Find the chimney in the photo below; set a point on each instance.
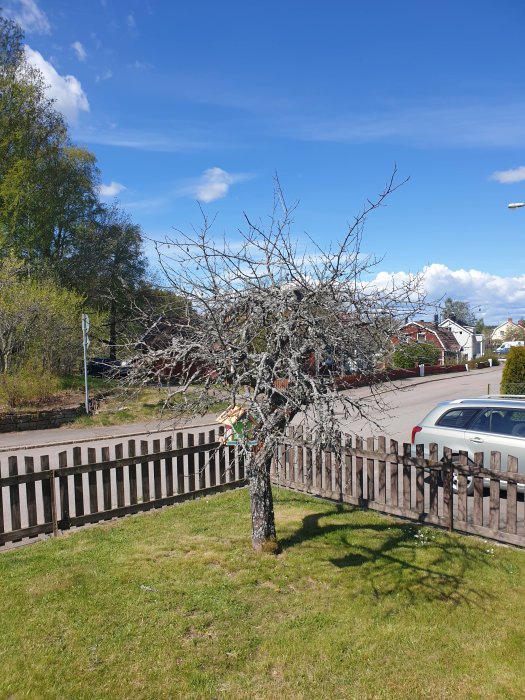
(510, 319)
(436, 321)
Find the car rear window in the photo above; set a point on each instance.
(457, 417)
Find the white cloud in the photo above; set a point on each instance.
(213, 184)
(29, 16)
(492, 297)
(79, 50)
(507, 177)
(65, 90)
(111, 190)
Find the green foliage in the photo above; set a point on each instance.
(484, 358)
(513, 376)
(515, 334)
(39, 321)
(51, 216)
(408, 355)
(459, 311)
(26, 386)
(109, 267)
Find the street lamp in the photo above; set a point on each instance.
(516, 205)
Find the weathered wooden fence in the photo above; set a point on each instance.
(367, 474)
(96, 485)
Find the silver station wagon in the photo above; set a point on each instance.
(485, 424)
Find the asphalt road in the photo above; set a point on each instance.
(404, 405)
(396, 408)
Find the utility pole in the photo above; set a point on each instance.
(85, 343)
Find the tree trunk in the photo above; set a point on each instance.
(263, 521)
(113, 331)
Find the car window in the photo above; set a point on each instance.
(481, 423)
(517, 423)
(457, 417)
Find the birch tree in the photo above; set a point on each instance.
(273, 323)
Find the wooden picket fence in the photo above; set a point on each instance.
(366, 474)
(89, 485)
(96, 485)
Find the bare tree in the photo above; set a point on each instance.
(270, 327)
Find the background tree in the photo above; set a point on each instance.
(39, 322)
(47, 185)
(513, 375)
(517, 333)
(408, 355)
(459, 311)
(109, 267)
(267, 314)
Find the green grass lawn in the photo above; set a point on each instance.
(174, 604)
(129, 405)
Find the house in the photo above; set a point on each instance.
(471, 344)
(500, 332)
(428, 332)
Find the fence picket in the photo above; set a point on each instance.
(190, 468)
(132, 472)
(201, 460)
(63, 486)
(78, 487)
(14, 495)
(433, 479)
(169, 466)
(212, 456)
(144, 471)
(181, 481)
(462, 489)
(394, 473)
(407, 475)
(157, 477)
(512, 492)
(92, 482)
(494, 502)
(106, 480)
(448, 494)
(477, 511)
(359, 470)
(370, 464)
(47, 506)
(30, 493)
(381, 468)
(328, 473)
(119, 475)
(348, 481)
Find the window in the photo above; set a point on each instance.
(500, 422)
(457, 418)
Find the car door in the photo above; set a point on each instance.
(492, 431)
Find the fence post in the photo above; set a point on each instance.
(448, 496)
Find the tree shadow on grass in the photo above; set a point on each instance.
(394, 558)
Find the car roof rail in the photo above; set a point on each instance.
(504, 396)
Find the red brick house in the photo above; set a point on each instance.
(427, 332)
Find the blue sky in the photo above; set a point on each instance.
(205, 101)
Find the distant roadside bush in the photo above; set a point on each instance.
(513, 376)
(484, 358)
(407, 355)
(26, 386)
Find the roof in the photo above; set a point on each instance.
(445, 337)
(460, 326)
